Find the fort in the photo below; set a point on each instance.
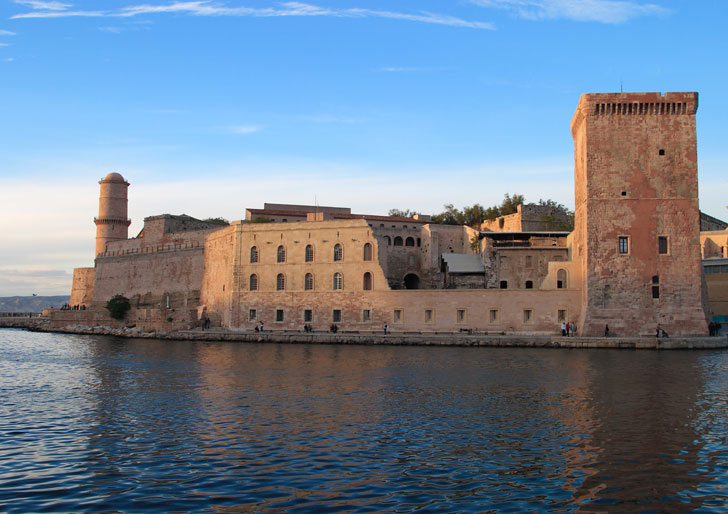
(635, 260)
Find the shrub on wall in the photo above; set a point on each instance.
(118, 306)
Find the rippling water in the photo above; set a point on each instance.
(98, 424)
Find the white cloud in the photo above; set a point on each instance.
(245, 129)
(48, 5)
(4, 44)
(604, 11)
(8, 59)
(6, 33)
(205, 8)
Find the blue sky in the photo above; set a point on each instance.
(208, 107)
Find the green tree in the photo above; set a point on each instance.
(118, 306)
(561, 219)
(221, 221)
(402, 213)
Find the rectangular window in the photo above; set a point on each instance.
(527, 315)
(561, 315)
(623, 244)
(279, 315)
(337, 315)
(494, 315)
(460, 315)
(397, 316)
(655, 291)
(308, 316)
(662, 245)
(366, 315)
(252, 315)
(428, 316)
(529, 261)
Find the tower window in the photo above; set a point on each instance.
(662, 151)
(662, 245)
(623, 244)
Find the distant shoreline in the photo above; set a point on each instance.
(396, 339)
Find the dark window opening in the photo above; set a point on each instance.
(529, 284)
(662, 244)
(337, 316)
(662, 151)
(279, 315)
(504, 284)
(624, 193)
(623, 244)
(655, 291)
(308, 315)
(656, 279)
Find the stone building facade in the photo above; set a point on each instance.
(633, 260)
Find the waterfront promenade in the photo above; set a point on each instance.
(512, 340)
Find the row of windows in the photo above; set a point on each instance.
(723, 268)
(309, 253)
(308, 282)
(663, 245)
(461, 315)
(560, 281)
(398, 241)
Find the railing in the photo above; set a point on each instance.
(170, 247)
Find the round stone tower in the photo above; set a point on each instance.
(112, 223)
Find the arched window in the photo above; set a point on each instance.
(388, 240)
(368, 252)
(529, 284)
(254, 254)
(309, 253)
(308, 282)
(281, 253)
(561, 279)
(410, 241)
(397, 241)
(253, 282)
(367, 286)
(338, 252)
(280, 282)
(338, 281)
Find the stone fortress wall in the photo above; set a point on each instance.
(635, 187)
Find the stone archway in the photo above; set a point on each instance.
(411, 281)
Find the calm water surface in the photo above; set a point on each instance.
(99, 424)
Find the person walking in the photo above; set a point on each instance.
(385, 329)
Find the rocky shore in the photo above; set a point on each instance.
(411, 339)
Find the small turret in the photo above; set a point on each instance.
(112, 223)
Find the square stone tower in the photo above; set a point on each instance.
(637, 224)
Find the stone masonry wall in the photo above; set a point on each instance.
(636, 178)
(82, 291)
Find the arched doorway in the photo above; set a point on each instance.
(411, 281)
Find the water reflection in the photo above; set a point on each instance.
(129, 426)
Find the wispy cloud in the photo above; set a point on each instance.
(39, 4)
(8, 59)
(207, 8)
(4, 44)
(245, 129)
(603, 11)
(6, 33)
